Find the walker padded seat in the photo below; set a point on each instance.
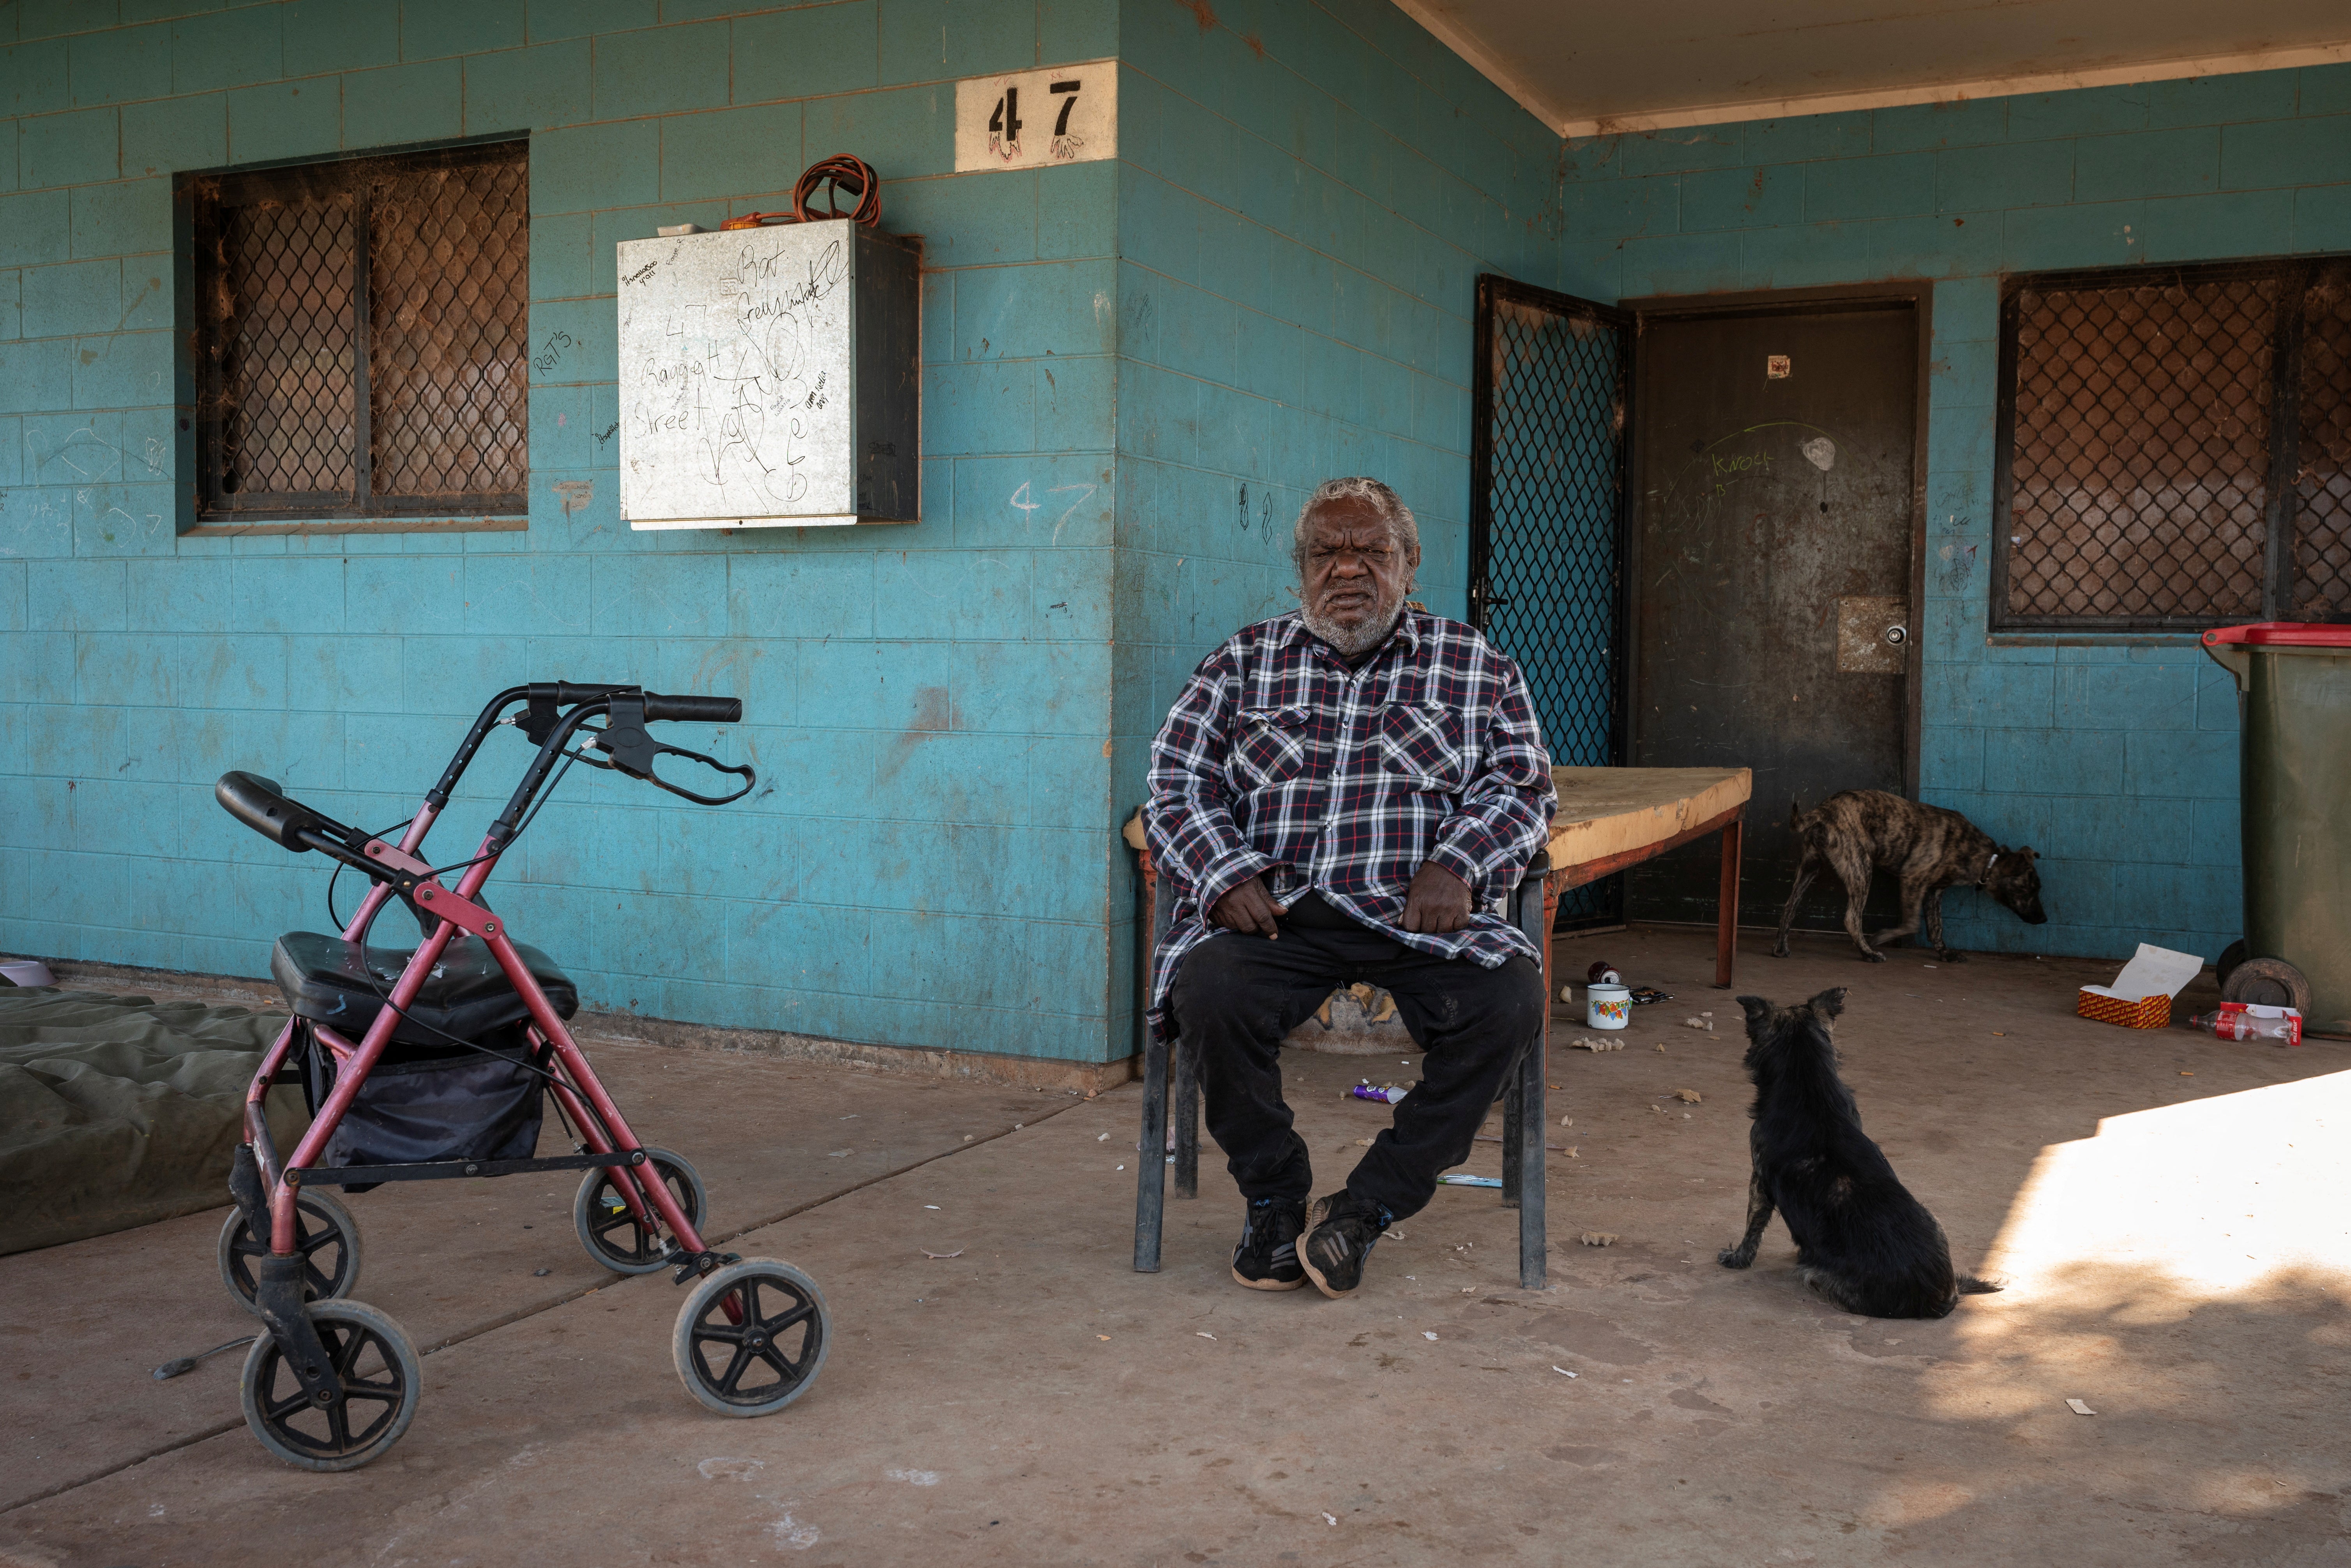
(468, 994)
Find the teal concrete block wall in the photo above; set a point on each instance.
(929, 861)
(1306, 194)
(2114, 756)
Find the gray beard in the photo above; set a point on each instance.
(1359, 639)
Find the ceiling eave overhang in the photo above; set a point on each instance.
(1563, 119)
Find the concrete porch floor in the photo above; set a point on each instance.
(2166, 1207)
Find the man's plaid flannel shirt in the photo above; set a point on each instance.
(1279, 759)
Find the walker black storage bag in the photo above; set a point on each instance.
(445, 1105)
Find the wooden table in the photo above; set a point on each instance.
(1613, 818)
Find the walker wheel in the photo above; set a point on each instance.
(2267, 982)
(377, 1364)
(617, 1238)
(326, 1235)
(752, 1337)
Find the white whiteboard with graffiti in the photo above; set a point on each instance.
(738, 377)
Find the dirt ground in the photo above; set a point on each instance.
(2166, 1208)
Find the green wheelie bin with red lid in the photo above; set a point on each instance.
(2294, 701)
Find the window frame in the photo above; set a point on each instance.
(2295, 275)
(206, 197)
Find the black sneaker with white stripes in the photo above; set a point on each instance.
(1342, 1230)
(1267, 1259)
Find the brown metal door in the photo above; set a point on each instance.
(1778, 497)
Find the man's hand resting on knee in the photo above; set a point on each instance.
(1249, 907)
(1437, 902)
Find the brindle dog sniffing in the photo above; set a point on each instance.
(1863, 1242)
(1858, 832)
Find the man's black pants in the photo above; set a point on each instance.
(1235, 995)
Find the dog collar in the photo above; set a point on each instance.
(1983, 874)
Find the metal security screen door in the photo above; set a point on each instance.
(1552, 384)
(2173, 448)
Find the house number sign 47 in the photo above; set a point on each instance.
(1033, 120)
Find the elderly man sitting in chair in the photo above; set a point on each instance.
(1347, 792)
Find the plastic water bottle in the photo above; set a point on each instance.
(2233, 1023)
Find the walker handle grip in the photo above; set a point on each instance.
(692, 709)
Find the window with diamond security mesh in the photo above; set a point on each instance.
(361, 337)
(2322, 565)
(2173, 448)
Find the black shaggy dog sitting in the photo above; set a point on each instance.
(1862, 1240)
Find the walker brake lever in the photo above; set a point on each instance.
(633, 751)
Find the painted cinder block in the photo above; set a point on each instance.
(433, 27)
(71, 149)
(123, 369)
(1067, 307)
(2284, 152)
(2322, 217)
(2181, 162)
(2212, 228)
(79, 596)
(76, 449)
(35, 227)
(343, 675)
(324, 35)
(1930, 127)
(455, 676)
(228, 48)
(2191, 763)
(1681, 264)
(115, 65)
(2089, 234)
(2119, 830)
(809, 51)
(932, 40)
(124, 520)
(2021, 760)
(1988, 178)
(528, 90)
(661, 70)
(286, 119)
(420, 102)
(576, 168)
(44, 665)
(300, 750)
(2187, 898)
(2126, 696)
(2223, 99)
(1672, 152)
(904, 133)
(1060, 502)
(802, 948)
(1764, 196)
(1877, 187)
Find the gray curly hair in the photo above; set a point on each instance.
(1402, 528)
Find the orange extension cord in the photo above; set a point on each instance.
(838, 175)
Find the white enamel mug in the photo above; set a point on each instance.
(1607, 1007)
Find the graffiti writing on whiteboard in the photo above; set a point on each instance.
(733, 384)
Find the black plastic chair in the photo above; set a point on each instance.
(1179, 1070)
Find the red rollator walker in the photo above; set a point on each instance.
(437, 1062)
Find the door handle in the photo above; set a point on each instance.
(1897, 635)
